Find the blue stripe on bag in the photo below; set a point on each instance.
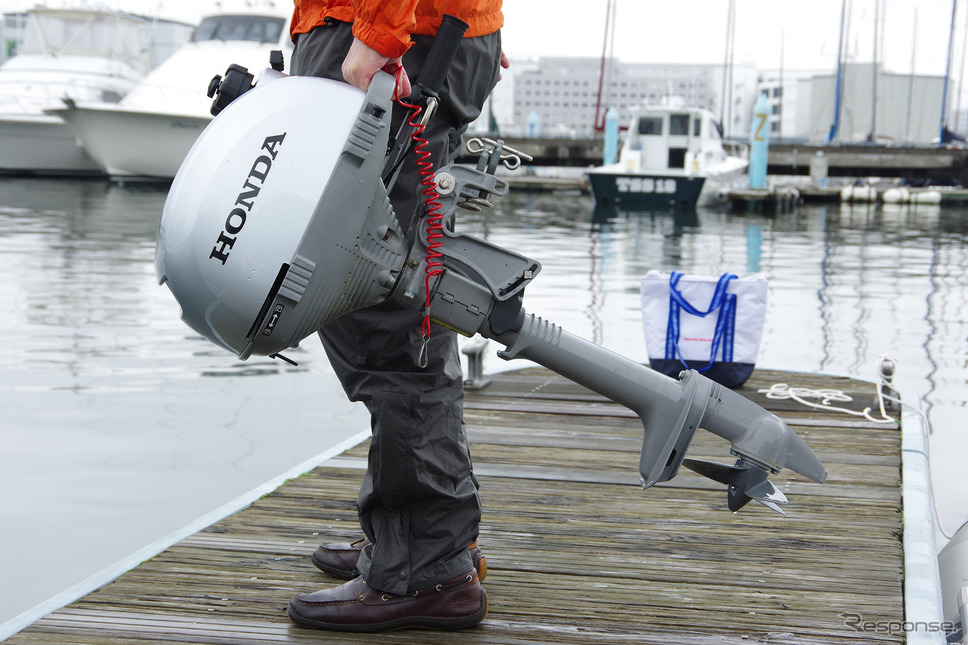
(729, 330)
(725, 323)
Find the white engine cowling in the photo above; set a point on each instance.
(279, 199)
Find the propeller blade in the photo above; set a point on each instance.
(716, 472)
(745, 481)
(771, 505)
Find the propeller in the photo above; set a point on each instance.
(745, 481)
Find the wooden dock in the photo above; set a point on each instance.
(577, 552)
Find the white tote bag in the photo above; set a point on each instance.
(712, 325)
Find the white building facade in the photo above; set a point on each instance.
(564, 93)
(875, 106)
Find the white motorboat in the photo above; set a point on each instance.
(148, 133)
(672, 157)
(66, 54)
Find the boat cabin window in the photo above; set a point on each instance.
(82, 33)
(650, 125)
(679, 124)
(697, 127)
(259, 29)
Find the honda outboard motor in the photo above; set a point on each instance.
(278, 222)
(270, 229)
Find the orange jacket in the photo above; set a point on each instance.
(386, 26)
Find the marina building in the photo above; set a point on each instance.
(781, 88)
(562, 94)
(875, 105)
(558, 97)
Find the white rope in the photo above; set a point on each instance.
(802, 394)
(827, 396)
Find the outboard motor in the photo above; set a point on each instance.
(278, 222)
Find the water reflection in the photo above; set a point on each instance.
(113, 434)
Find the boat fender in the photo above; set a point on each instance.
(927, 197)
(897, 196)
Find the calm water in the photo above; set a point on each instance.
(119, 426)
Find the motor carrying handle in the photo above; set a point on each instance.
(441, 55)
(426, 91)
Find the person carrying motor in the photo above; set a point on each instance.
(418, 564)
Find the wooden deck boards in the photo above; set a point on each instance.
(577, 552)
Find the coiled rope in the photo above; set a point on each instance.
(886, 366)
(826, 397)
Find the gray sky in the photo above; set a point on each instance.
(805, 33)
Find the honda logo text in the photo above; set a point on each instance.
(243, 203)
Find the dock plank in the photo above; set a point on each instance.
(577, 551)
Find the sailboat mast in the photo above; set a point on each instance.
(779, 125)
(910, 96)
(873, 135)
(599, 122)
(961, 77)
(838, 88)
(723, 97)
(947, 75)
(732, 47)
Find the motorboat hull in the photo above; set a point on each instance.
(646, 190)
(43, 145)
(67, 55)
(147, 135)
(116, 138)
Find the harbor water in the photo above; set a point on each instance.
(120, 425)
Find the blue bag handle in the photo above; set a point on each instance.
(725, 323)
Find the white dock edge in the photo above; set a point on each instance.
(923, 609)
(109, 574)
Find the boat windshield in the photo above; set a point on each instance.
(678, 124)
(650, 125)
(84, 33)
(259, 29)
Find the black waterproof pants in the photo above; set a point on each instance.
(418, 503)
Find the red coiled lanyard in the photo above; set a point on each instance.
(433, 221)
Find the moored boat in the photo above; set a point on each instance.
(148, 133)
(672, 157)
(66, 54)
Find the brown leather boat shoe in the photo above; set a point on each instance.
(340, 558)
(354, 606)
